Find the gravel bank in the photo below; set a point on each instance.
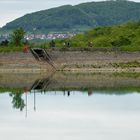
(71, 61)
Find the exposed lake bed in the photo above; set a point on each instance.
(70, 72)
(75, 103)
(94, 61)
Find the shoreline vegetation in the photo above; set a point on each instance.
(103, 49)
(117, 38)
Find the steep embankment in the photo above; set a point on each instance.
(21, 62)
(96, 61)
(72, 61)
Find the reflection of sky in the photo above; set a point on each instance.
(78, 117)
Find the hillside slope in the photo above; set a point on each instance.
(123, 37)
(77, 18)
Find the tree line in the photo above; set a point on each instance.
(16, 38)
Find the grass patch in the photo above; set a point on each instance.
(11, 49)
(127, 64)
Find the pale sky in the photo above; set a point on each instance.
(12, 9)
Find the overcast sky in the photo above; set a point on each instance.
(12, 9)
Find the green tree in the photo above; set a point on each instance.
(17, 37)
(17, 101)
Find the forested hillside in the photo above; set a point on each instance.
(77, 18)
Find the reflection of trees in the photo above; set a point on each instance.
(17, 101)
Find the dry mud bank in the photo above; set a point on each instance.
(18, 62)
(72, 61)
(96, 61)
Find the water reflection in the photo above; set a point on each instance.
(42, 84)
(67, 83)
(19, 103)
(20, 99)
(79, 116)
(69, 107)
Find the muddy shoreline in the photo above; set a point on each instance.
(79, 61)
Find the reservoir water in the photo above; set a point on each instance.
(103, 113)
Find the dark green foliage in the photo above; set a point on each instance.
(121, 41)
(127, 64)
(78, 18)
(4, 43)
(52, 44)
(17, 37)
(123, 37)
(17, 101)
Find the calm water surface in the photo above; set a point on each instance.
(75, 115)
